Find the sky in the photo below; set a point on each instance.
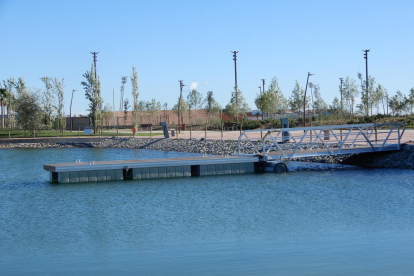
(192, 41)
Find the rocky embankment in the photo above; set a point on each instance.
(403, 159)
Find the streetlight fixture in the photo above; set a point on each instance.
(304, 100)
(70, 111)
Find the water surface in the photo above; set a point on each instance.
(357, 222)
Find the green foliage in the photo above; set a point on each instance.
(92, 87)
(29, 111)
(237, 107)
(194, 99)
(135, 95)
(296, 99)
(212, 107)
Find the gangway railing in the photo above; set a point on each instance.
(286, 143)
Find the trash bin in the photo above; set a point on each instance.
(172, 132)
(326, 134)
(184, 127)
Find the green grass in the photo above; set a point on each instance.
(48, 133)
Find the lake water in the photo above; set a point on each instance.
(348, 222)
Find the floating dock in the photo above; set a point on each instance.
(266, 154)
(152, 168)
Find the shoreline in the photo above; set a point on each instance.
(403, 159)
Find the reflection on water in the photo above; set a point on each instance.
(313, 223)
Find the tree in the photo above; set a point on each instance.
(123, 81)
(278, 102)
(92, 87)
(126, 106)
(378, 97)
(58, 89)
(212, 107)
(135, 95)
(153, 108)
(194, 99)
(349, 93)
(10, 101)
(335, 108)
(29, 111)
(411, 100)
(2, 104)
(180, 110)
(296, 99)
(48, 102)
(319, 105)
(107, 113)
(237, 106)
(369, 102)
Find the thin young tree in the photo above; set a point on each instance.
(48, 101)
(10, 102)
(29, 111)
(92, 87)
(126, 106)
(135, 95)
(194, 99)
(237, 107)
(211, 107)
(2, 104)
(58, 90)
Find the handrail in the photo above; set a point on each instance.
(337, 139)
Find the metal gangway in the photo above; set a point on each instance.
(287, 143)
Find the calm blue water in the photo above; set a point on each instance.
(358, 222)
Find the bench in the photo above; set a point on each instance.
(228, 125)
(147, 126)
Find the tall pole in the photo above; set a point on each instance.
(342, 80)
(263, 80)
(366, 79)
(70, 111)
(235, 83)
(94, 60)
(113, 104)
(179, 104)
(304, 100)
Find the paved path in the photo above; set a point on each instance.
(210, 135)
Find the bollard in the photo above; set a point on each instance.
(190, 131)
(117, 132)
(205, 133)
(79, 132)
(376, 134)
(150, 131)
(9, 134)
(222, 125)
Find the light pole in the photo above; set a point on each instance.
(179, 104)
(263, 80)
(304, 100)
(235, 83)
(70, 111)
(366, 77)
(342, 80)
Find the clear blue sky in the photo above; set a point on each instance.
(191, 41)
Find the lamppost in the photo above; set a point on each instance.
(366, 77)
(235, 83)
(263, 80)
(304, 100)
(179, 105)
(70, 111)
(342, 108)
